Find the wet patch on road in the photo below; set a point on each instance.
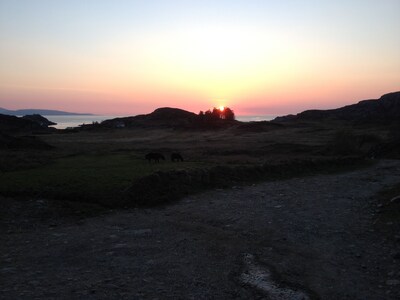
(262, 278)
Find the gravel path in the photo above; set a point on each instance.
(303, 238)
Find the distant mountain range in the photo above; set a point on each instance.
(47, 112)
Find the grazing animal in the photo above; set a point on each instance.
(176, 157)
(154, 156)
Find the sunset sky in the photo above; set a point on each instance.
(257, 57)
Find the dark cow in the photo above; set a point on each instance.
(176, 157)
(154, 156)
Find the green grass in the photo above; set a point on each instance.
(92, 178)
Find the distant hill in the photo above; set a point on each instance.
(47, 112)
(166, 117)
(384, 109)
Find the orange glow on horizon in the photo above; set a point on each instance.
(129, 58)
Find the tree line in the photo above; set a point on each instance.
(217, 114)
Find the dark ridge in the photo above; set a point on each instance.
(165, 117)
(384, 109)
(171, 113)
(28, 124)
(14, 124)
(42, 121)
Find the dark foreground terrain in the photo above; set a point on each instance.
(305, 207)
(322, 237)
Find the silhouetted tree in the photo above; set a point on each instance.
(208, 116)
(228, 114)
(217, 114)
(201, 115)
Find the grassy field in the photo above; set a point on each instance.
(98, 166)
(90, 177)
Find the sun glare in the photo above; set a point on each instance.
(221, 108)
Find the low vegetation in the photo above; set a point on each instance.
(125, 178)
(87, 178)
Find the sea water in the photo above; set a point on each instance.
(65, 121)
(255, 118)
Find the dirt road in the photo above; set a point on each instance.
(303, 238)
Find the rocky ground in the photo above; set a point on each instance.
(303, 238)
